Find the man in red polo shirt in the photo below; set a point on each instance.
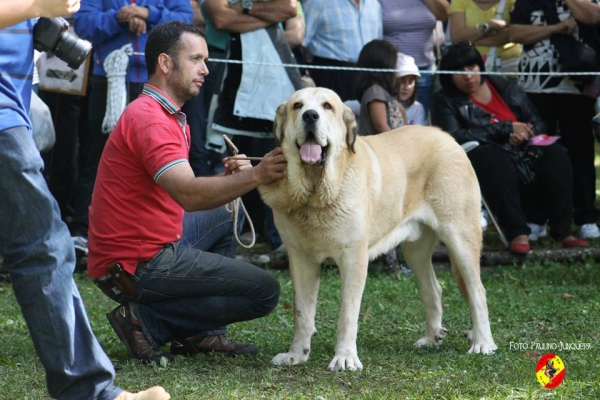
(165, 232)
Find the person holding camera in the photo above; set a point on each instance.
(551, 33)
(496, 113)
(110, 25)
(35, 243)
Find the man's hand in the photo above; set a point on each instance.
(137, 26)
(126, 13)
(233, 165)
(568, 26)
(271, 168)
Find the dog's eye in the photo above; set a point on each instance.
(297, 106)
(327, 106)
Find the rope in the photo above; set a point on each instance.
(115, 66)
(234, 208)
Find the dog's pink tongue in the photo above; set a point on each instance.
(310, 152)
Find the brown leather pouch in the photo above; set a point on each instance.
(122, 281)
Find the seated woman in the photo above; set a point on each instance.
(495, 112)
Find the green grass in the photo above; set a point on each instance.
(527, 304)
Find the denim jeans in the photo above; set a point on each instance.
(197, 286)
(425, 89)
(39, 255)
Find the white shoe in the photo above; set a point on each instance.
(589, 231)
(484, 220)
(537, 231)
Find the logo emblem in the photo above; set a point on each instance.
(550, 371)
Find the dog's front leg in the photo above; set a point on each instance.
(353, 274)
(305, 282)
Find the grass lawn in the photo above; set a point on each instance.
(536, 306)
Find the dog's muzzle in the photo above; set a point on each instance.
(310, 151)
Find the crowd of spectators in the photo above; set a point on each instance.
(237, 99)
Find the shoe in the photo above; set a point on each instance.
(81, 245)
(154, 393)
(129, 330)
(205, 344)
(484, 220)
(589, 231)
(537, 231)
(571, 241)
(518, 246)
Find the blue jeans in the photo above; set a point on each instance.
(197, 286)
(39, 255)
(425, 89)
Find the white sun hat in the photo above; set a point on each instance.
(406, 66)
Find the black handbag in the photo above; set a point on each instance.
(525, 159)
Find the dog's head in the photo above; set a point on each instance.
(315, 123)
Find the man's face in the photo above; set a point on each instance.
(189, 67)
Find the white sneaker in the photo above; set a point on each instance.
(589, 231)
(537, 231)
(484, 220)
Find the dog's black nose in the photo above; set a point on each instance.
(310, 116)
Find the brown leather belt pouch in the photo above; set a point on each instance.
(121, 280)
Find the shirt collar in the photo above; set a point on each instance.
(160, 98)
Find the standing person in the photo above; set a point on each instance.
(172, 267)
(110, 25)
(336, 31)
(36, 246)
(548, 32)
(408, 25)
(407, 75)
(494, 111)
(486, 24)
(380, 110)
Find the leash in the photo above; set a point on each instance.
(234, 207)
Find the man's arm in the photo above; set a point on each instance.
(15, 11)
(584, 11)
(231, 19)
(203, 193)
(295, 29)
(528, 34)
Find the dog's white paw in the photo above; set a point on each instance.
(432, 340)
(483, 346)
(346, 361)
(289, 359)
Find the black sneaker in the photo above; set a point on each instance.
(128, 329)
(205, 344)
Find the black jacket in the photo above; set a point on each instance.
(454, 112)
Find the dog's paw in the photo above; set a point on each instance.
(483, 347)
(289, 359)
(346, 361)
(432, 340)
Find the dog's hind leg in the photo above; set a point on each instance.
(464, 246)
(305, 282)
(418, 257)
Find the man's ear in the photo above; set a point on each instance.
(165, 63)
(350, 121)
(279, 123)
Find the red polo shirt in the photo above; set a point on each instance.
(131, 216)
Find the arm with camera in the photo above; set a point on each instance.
(22, 10)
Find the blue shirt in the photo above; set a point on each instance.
(16, 73)
(337, 30)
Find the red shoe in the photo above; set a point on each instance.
(572, 241)
(519, 248)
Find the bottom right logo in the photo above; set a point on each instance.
(550, 371)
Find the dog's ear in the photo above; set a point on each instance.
(279, 123)
(351, 131)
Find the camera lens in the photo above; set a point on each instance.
(72, 50)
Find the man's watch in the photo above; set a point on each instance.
(247, 6)
(485, 27)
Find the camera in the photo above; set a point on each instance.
(50, 34)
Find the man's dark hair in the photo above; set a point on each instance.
(376, 54)
(166, 38)
(455, 58)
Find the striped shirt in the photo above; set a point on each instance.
(16, 72)
(337, 30)
(408, 25)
